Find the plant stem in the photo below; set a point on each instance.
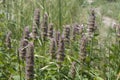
(18, 57)
(60, 15)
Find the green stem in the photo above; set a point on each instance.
(43, 3)
(19, 65)
(109, 61)
(60, 15)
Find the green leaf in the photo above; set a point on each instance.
(17, 77)
(98, 78)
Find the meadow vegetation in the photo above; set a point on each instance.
(59, 40)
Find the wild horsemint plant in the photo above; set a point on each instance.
(50, 30)
(24, 43)
(22, 49)
(91, 23)
(77, 30)
(61, 51)
(8, 40)
(34, 32)
(36, 24)
(52, 50)
(36, 20)
(73, 70)
(91, 33)
(45, 26)
(26, 33)
(67, 33)
(57, 37)
(83, 45)
(29, 69)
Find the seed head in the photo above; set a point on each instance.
(37, 17)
